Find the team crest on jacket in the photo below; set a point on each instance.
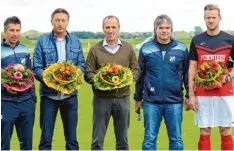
(172, 58)
(23, 61)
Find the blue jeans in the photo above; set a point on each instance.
(153, 114)
(69, 114)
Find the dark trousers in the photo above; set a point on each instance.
(22, 115)
(103, 109)
(68, 110)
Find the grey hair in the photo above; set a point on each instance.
(11, 20)
(161, 19)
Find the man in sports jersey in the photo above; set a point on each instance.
(213, 108)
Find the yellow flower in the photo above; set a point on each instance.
(106, 68)
(206, 65)
(203, 67)
(115, 79)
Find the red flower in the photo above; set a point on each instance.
(203, 74)
(104, 77)
(115, 69)
(32, 75)
(59, 76)
(214, 65)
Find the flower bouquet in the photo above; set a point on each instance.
(16, 77)
(210, 75)
(63, 77)
(112, 76)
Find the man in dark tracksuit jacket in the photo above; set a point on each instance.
(164, 69)
(16, 108)
(57, 46)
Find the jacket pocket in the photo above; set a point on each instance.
(173, 87)
(152, 87)
(74, 54)
(50, 55)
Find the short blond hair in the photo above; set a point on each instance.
(211, 7)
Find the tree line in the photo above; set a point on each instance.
(100, 35)
(33, 35)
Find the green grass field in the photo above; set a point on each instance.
(136, 130)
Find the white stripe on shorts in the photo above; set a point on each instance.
(215, 111)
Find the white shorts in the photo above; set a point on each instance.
(215, 111)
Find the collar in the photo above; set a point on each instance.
(4, 44)
(106, 44)
(173, 43)
(67, 35)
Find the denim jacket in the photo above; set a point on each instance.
(45, 53)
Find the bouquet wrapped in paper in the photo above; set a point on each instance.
(16, 77)
(63, 77)
(210, 75)
(113, 76)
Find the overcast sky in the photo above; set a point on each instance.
(134, 15)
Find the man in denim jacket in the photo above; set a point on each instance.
(57, 46)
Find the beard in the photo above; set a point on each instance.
(212, 27)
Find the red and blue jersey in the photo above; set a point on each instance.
(205, 48)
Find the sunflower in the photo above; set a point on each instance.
(112, 76)
(115, 79)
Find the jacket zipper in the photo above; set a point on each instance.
(168, 49)
(164, 101)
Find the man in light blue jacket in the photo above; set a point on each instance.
(57, 46)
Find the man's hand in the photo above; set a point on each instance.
(137, 106)
(186, 105)
(193, 104)
(227, 78)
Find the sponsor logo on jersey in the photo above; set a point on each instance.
(219, 58)
(202, 43)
